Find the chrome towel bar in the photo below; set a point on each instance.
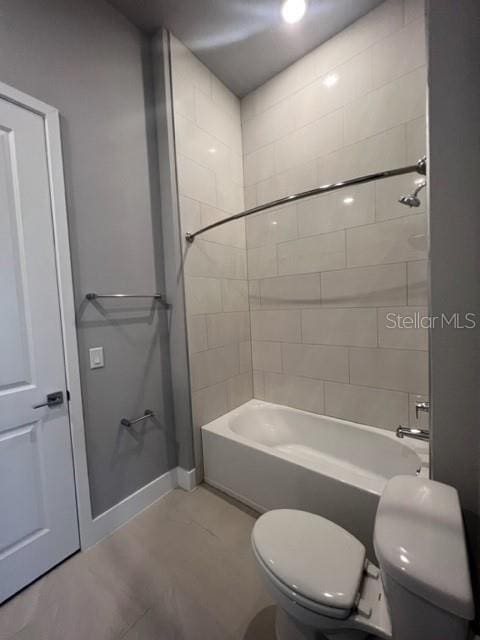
(94, 296)
(128, 423)
(420, 167)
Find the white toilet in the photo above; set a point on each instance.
(324, 586)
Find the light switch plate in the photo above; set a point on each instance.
(96, 358)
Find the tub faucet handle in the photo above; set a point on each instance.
(422, 407)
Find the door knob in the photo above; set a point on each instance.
(53, 400)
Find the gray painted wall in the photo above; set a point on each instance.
(88, 61)
(454, 156)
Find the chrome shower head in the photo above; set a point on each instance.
(413, 200)
(410, 201)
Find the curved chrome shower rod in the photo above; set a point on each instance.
(420, 167)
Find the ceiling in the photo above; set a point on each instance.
(244, 42)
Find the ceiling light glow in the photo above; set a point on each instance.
(348, 200)
(293, 10)
(331, 80)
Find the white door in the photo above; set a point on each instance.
(38, 515)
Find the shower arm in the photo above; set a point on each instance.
(419, 188)
(420, 167)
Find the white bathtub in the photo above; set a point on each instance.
(269, 456)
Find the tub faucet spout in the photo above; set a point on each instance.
(416, 434)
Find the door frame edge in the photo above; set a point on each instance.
(63, 265)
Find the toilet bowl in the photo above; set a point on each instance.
(324, 586)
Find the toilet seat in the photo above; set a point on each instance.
(299, 599)
(310, 560)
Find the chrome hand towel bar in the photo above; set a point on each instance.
(94, 296)
(420, 167)
(128, 423)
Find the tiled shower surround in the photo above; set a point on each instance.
(208, 138)
(323, 273)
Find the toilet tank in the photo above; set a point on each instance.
(420, 545)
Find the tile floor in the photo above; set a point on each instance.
(181, 570)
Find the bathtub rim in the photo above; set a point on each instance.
(220, 427)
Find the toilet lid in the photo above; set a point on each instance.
(311, 555)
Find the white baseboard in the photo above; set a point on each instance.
(186, 479)
(107, 522)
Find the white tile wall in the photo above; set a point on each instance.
(414, 9)
(272, 227)
(352, 79)
(191, 212)
(387, 19)
(259, 385)
(186, 68)
(341, 209)
(294, 180)
(184, 94)
(412, 334)
(218, 121)
(227, 328)
(232, 234)
(311, 141)
(399, 240)
(239, 390)
(235, 295)
(197, 333)
(203, 148)
(324, 273)
(386, 149)
(267, 127)
(400, 53)
(262, 262)
(355, 327)
(254, 299)
(230, 196)
(315, 253)
(209, 403)
(276, 325)
(384, 285)
(395, 369)
(261, 165)
(302, 393)
(301, 293)
(290, 291)
(416, 139)
(314, 361)
(417, 279)
(375, 407)
(208, 138)
(214, 365)
(267, 356)
(196, 181)
(392, 104)
(245, 356)
(213, 260)
(204, 295)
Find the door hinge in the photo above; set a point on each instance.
(68, 395)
